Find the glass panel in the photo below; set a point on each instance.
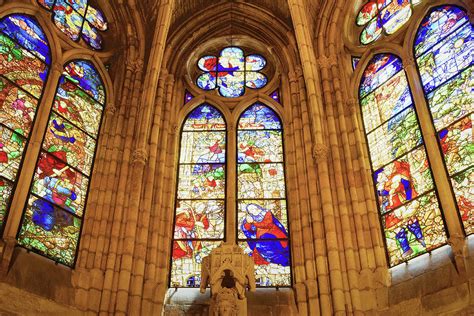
(259, 116)
(255, 80)
(199, 220)
(464, 191)
(447, 58)
(371, 32)
(71, 145)
(453, 100)
(367, 13)
(21, 67)
(203, 181)
(6, 189)
(48, 4)
(387, 101)
(84, 74)
(414, 229)
(50, 231)
(187, 258)
(231, 84)
(230, 60)
(96, 18)
(262, 219)
(60, 184)
(79, 5)
(254, 62)
(395, 15)
(435, 26)
(78, 107)
(457, 145)
(67, 20)
(260, 146)
(208, 63)
(403, 180)
(24, 30)
(11, 152)
(204, 118)
(91, 36)
(261, 181)
(394, 138)
(355, 62)
(207, 81)
(272, 261)
(380, 69)
(17, 109)
(202, 147)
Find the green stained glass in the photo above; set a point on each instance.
(201, 181)
(464, 192)
(260, 146)
(261, 181)
(6, 189)
(414, 229)
(50, 230)
(394, 138)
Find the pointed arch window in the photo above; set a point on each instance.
(54, 211)
(199, 224)
(444, 54)
(25, 61)
(408, 204)
(262, 217)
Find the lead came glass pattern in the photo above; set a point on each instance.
(262, 209)
(408, 205)
(383, 17)
(77, 19)
(54, 212)
(24, 66)
(200, 201)
(231, 72)
(444, 53)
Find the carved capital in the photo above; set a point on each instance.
(351, 106)
(111, 109)
(320, 152)
(140, 156)
(409, 62)
(174, 130)
(134, 65)
(326, 62)
(294, 76)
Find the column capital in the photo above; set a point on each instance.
(409, 62)
(140, 156)
(320, 152)
(326, 62)
(111, 109)
(351, 106)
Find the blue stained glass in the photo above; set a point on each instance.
(91, 36)
(255, 80)
(78, 5)
(48, 4)
(231, 59)
(207, 81)
(259, 116)
(436, 25)
(96, 18)
(255, 62)
(380, 69)
(188, 96)
(84, 74)
(204, 117)
(275, 96)
(355, 62)
(26, 31)
(447, 58)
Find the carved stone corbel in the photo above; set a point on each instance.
(320, 152)
(140, 156)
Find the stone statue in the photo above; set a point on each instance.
(229, 272)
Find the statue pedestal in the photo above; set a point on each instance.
(229, 272)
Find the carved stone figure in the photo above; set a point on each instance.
(229, 272)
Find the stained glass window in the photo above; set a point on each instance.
(261, 200)
(54, 212)
(407, 201)
(276, 95)
(444, 54)
(24, 66)
(383, 16)
(355, 62)
(200, 201)
(77, 19)
(231, 72)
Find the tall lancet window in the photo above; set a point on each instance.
(408, 204)
(24, 66)
(261, 199)
(201, 191)
(444, 53)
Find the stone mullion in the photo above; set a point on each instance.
(318, 287)
(24, 175)
(125, 142)
(296, 202)
(442, 182)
